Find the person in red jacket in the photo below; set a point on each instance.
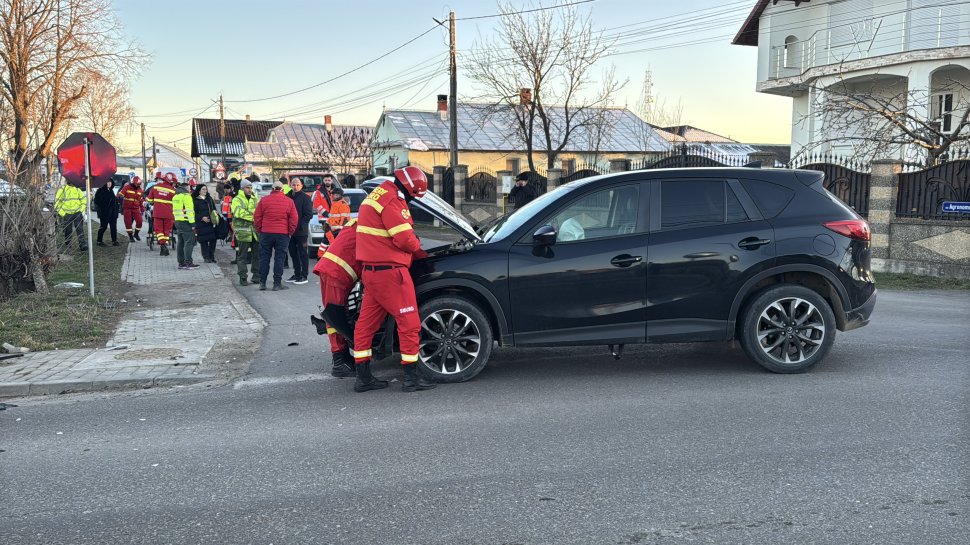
(132, 198)
(338, 270)
(164, 219)
(275, 219)
(386, 245)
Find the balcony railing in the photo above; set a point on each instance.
(868, 38)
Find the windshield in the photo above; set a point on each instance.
(516, 219)
(354, 199)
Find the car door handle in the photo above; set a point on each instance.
(625, 260)
(700, 255)
(753, 243)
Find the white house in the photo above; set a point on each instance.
(912, 56)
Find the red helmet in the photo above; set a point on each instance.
(158, 174)
(136, 180)
(170, 177)
(413, 179)
(193, 183)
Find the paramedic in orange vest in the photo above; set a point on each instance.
(164, 219)
(322, 199)
(339, 211)
(132, 198)
(339, 270)
(386, 245)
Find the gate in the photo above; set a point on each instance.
(850, 186)
(448, 187)
(921, 194)
(481, 186)
(583, 171)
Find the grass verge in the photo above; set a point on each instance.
(894, 281)
(68, 318)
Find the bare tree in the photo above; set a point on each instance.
(878, 121)
(48, 50)
(345, 147)
(105, 108)
(552, 52)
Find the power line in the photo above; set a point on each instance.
(578, 2)
(348, 72)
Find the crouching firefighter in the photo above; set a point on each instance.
(386, 245)
(339, 270)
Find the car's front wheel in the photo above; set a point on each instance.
(456, 339)
(787, 329)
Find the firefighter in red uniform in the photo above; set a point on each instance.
(386, 244)
(161, 198)
(338, 270)
(132, 198)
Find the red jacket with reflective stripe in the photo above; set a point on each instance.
(275, 214)
(385, 233)
(132, 197)
(339, 264)
(161, 197)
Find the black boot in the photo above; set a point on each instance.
(365, 380)
(343, 364)
(413, 381)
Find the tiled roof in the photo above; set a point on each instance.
(490, 128)
(688, 133)
(205, 135)
(303, 141)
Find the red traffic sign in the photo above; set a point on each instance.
(102, 158)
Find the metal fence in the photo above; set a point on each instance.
(850, 186)
(921, 194)
(583, 171)
(481, 186)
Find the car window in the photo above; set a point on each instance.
(693, 203)
(354, 200)
(604, 213)
(770, 198)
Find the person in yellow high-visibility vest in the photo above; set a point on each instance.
(183, 207)
(70, 202)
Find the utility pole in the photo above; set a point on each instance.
(154, 154)
(222, 132)
(144, 160)
(453, 95)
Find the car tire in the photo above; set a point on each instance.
(787, 329)
(456, 339)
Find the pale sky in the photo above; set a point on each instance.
(252, 50)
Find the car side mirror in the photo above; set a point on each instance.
(544, 236)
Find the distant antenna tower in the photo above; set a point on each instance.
(646, 106)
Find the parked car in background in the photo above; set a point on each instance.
(353, 197)
(769, 258)
(261, 189)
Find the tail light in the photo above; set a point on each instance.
(854, 229)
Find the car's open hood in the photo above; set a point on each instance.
(437, 207)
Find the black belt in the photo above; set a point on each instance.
(381, 267)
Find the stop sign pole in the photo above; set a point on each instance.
(87, 183)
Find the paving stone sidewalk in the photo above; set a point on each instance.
(182, 327)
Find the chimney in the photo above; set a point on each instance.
(525, 96)
(247, 117)
(443, 107)
(327, 123)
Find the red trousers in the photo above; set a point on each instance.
(332, 293)
(132, 216)
(163, 230)
(389, 291)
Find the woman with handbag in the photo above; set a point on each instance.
(206, 219)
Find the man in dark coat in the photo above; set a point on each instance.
(298, 242)
(523, 192)
(107, 203)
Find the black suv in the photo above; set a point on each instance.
(767, 257)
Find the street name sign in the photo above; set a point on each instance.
(950, 206)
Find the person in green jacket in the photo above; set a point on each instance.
(247, 241)
(70, 202)
(183, 206)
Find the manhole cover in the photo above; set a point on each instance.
(149, 354)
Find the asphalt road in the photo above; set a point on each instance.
(671, 444)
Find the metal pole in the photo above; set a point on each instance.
(453, 102)
(144, 160)
(222, 132)
(87, 193)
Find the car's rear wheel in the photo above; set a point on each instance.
(788, 329)
(456, 339)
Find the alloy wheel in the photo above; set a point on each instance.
(450, 341)
(790, 330)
